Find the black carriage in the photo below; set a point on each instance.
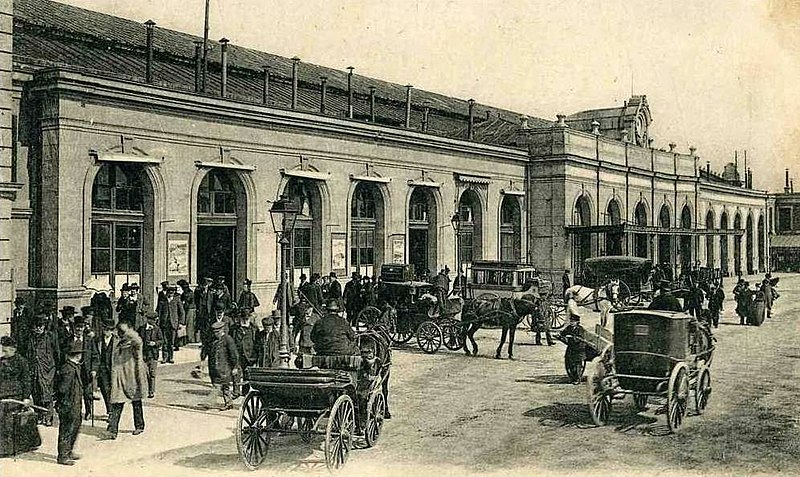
(633, 274)
(308, 402)
(660, 355)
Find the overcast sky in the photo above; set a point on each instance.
(720, 75)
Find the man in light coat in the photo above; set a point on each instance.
(128, 379)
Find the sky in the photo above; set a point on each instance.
(720, 75)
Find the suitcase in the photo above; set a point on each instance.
(18, 431)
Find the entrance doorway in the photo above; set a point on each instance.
(216, 249)
(418, 249)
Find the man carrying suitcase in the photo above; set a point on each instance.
(18, 432)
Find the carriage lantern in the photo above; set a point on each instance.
(283, 214)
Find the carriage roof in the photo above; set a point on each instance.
(502, 265)
(618, 265)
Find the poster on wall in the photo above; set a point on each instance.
(177, 254)
(399, 249)
(338, 253)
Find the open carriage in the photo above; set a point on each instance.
(655, 355)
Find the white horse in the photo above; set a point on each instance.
(602, 299)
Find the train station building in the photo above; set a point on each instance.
(123, 162)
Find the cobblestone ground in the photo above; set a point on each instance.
(457, 415)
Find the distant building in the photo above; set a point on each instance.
(785, 243)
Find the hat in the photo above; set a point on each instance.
(268, 321)
(172, 287)
(182, 283)
(355, 275)
(332, 275)
(208, 280)
(79, 320)
(40, 320)
(68, 310)
(8, 341)
(218, 325)
(332, 305)
(220, 277)
(134, 286)
(75, 347)
(87, 310)
(574, 318)
(245, 311)
(109, 324)
(247, 281)
(125, 287)
(303, 276)
(276, 313)
(165, 283)
(219, 306)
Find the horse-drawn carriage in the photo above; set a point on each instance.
(417, 311)
(321, 399)
(630, 275)
(661, 355)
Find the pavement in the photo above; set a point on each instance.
(459, 415)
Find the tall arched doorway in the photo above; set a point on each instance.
(222, 228)
(723, 244)
(686, 240)
(471, 231)
(613, 239)
(737, 245)
(422, 228)
(122, 227)
(306, 238)
(710, 262)
(582, 247)
(510, 230)
(749, 244)
(761, 265)
(640, 240)
(366, 229)
(664, 241)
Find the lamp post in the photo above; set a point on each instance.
(455, 221)
(283, 214)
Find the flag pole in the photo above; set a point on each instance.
(205, 49)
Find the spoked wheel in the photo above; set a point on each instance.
(599, 397)
(400, 333)
(556, 314)
(339, 433)
(429, 337)
(306, 427)
(368, 317)
(254, 431)
(702, 390)
(376, 408)
(574, 369)
(625, 299)
(640, 401)
(451, 334)
(677, 397)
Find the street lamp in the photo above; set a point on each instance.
(283, 214)
(455, 221)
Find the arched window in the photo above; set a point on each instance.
(422, 232)
(723, 244)
(510, 230)
(118, 221)
(471, 231)
(760, 242)
(737, 245)
(749, 245)
(640, 240)
(216, 195)
(582, 245)
(664, 241)
(302, 242)
(366, 241)
(613, 239)
(686, 240)
(710, 255)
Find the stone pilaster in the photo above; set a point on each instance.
(7, 189)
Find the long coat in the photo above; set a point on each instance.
(43, 354)
(245, 339)
(69, 390)
(15, 378)
(222, 360)
(150, 353)
(170, 313)
(268, 349)
(766, 287)
(104, 362)
(128, 371)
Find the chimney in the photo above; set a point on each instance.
(692, 150)
(471, 120)
(224, 54)
(265, 86)
(323, 96)
(562, 123)
(650, 142)
(408, 105)
(791, 186)
(350, 92)
(596, 127)
(786, 186)
(749, 178)
(372, 104)
(198, 65)
(148, 74)
(295, 66)
(708, 168)
(523, 122)
(426, 107)
(672, 147)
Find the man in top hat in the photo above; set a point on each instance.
(65, 330)
(441, 287)
(162, 294)
(105, 344)
(126, 307)
(90, 363)
(91, 323)
(334, 289)
(766, 289)
(223, 362)
(352, 297)
(170, 316)
(142, 306)
(248, 299)
(575, 354)
(269, 342)
(665, 300)
(17, 434)
(152, 340)
(222, 293)
(332, 335)
(69, 393)
(42, 352)
(716, 297)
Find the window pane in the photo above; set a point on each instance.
(121, 260)
(134, 261)
(354, 256)
(203, 202)
(121, 178)
(101, 235)
(302, 237)
(101, 197)
(100, 261)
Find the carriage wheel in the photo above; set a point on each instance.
(556, 316)
(702, 390)
(376, 408)
(625, 298)
(599, 397)
(451, 333)
(368, 317)
(640, 401)
(677, 397)
(339, 433)
(254, 434)
(306, 427)
(400, 337)
(574, 370)
(429, 337)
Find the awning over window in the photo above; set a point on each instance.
(471, 179)
(647, 229)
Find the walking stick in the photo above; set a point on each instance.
(23, 403)
(94, 388)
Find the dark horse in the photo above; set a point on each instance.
(503, 312)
